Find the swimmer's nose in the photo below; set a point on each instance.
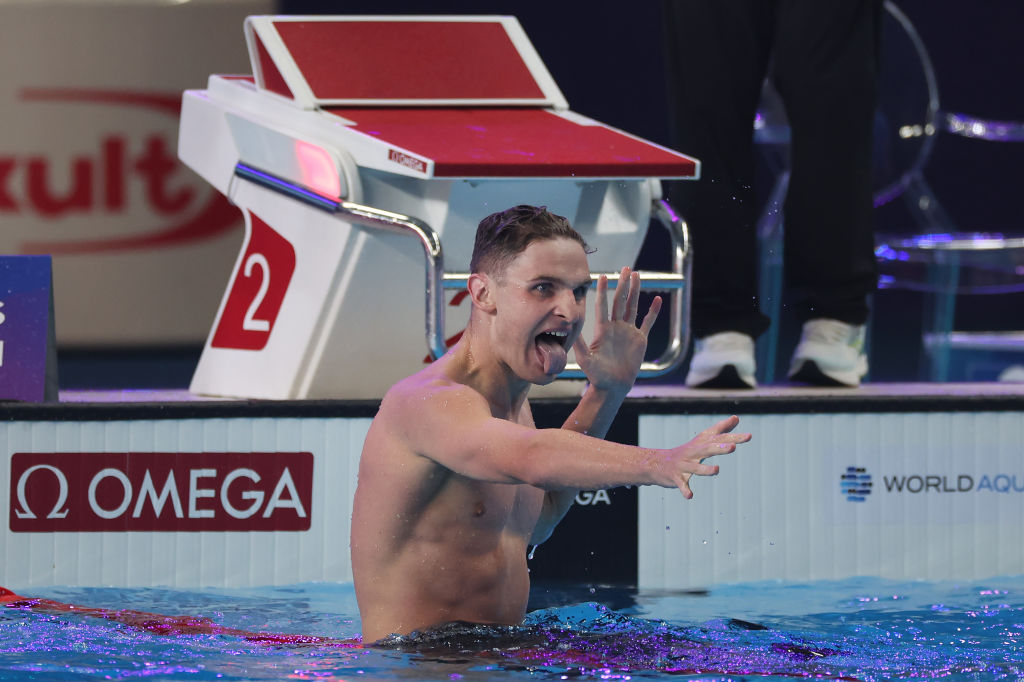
(567, 307)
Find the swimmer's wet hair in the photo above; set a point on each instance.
(502, 236)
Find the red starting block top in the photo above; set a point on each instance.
(399, 61)
(517, 142)
(468, 93)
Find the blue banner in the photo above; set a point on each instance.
(28, 369)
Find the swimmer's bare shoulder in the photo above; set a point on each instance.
(422, 413)
(422, 435)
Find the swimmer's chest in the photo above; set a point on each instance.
(492, 507)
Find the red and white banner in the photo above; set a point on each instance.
(229, 501)
(90, 102)
(160, 491)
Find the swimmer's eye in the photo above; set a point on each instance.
(548, 289)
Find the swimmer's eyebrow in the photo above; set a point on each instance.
(551, 278)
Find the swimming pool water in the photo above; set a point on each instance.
(866, 629)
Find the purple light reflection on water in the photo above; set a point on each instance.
(859, 629)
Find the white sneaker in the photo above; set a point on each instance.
(830, 353)
(723, 360)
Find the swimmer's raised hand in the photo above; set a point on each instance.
(612, 359)
(680, 463)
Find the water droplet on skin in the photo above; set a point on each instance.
(533, 550)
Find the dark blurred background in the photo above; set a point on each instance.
(607, 58)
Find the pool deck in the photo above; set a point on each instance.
(658, 397)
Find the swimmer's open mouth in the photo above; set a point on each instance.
(554, 337)
(552, 348)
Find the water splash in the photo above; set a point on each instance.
(862, 629)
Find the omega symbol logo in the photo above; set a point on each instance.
(25, 512)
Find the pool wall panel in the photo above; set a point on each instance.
(196, 558)
(945, 501)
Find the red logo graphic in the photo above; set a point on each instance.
(160, 491)
(258, 290)
(100, 182)
(407, 161)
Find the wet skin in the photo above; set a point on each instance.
(455, 481)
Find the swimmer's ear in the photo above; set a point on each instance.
(481, 291)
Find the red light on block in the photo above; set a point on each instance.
(317, 169)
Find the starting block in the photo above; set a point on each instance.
(363, 151)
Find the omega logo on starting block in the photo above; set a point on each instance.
(257, 291)
(407, 161)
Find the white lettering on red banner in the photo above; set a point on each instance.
(48, 186)
(160, 491)
(407, 161)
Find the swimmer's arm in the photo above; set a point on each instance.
(453, 426)
(592, 417)
(596, 411)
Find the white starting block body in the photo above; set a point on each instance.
(357, 149)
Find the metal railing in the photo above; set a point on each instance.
(437, 280)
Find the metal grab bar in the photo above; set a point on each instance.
(367, 216)
(677, 282)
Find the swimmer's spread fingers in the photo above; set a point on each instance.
(719, 445)
(651, 316)
(631, 303)
(601, 302)
(632, 297)
(730, 440)
(682, 478)
(725, 427)
(682, 482)
(621, 294)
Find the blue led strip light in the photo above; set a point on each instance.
(291, 189)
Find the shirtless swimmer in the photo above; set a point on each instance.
(455, 481)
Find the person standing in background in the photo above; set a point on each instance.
(822, 56)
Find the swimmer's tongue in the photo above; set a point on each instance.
(552, 354)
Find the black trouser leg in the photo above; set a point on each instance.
(717, 54)
(825, 68)
(825, 62)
